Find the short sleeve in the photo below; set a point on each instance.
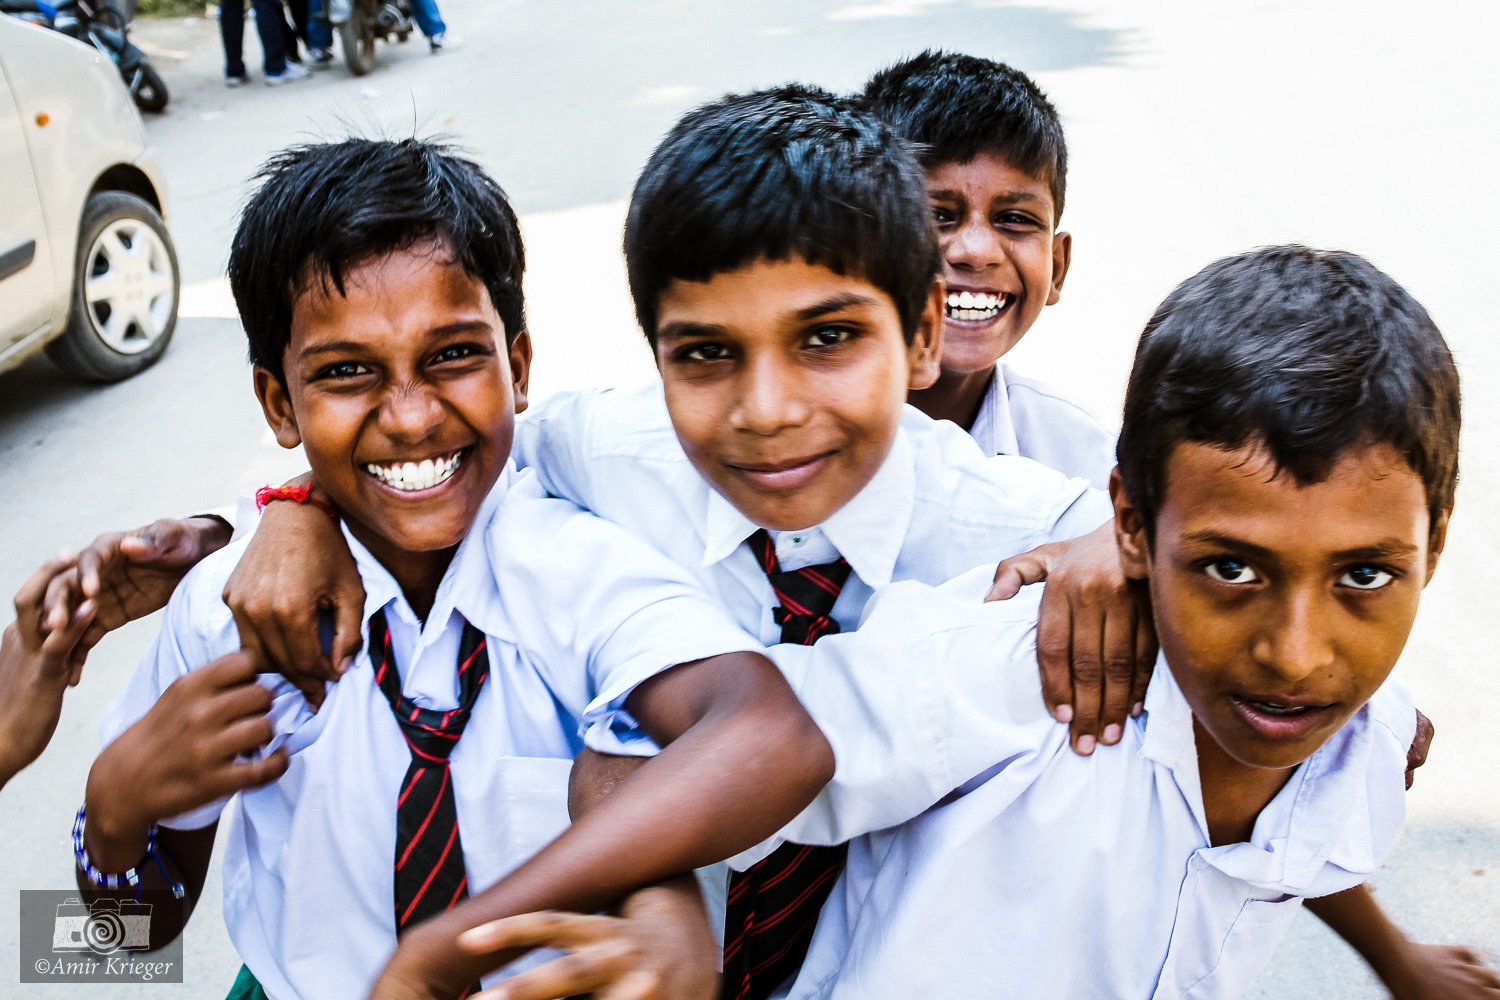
(934, 688)
(551, 440)
(584, 593)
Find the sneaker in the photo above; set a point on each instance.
(321, 58)
(236, 81)
(442, 41)
(291, 74)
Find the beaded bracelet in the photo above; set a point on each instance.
(129, 877)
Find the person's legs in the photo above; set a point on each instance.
(292, 30)
(232, 33)
(269, 24)
(319, 31)
(425, 13)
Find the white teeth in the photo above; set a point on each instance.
(975, 305)
(413, 476)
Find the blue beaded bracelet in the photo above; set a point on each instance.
(129, 877)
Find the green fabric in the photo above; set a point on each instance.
(246, 987)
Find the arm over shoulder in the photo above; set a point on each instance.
(934, 688)
(580, 590)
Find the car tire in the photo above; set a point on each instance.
(125, 287)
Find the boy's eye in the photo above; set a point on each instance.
(1231, 571)
(344, 369)
(1366, 578)
(1014, 220)
(829, 336)
(456, 352)
(703, 352)
(943, 216)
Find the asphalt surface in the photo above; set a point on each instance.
(1195, 131)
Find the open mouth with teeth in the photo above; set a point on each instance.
(974, 307)
(410, 477)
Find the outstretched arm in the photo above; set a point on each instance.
(741, 759)
(1411, 971)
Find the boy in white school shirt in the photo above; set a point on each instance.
(380, 288)
(1288, 461)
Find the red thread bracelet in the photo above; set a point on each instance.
(296, 494)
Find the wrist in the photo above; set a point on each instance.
(305, 493)
(116, 834)
(428, 956)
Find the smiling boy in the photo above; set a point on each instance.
(996, 162)
(1288, 461)
(380, 288)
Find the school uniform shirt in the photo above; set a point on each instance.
(1026, 416)
(1053, 875)
(936, 507)
(575, 612)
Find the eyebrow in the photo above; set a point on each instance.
(1386, 548)
(685, 329)
(436, 333)
(1008, 198)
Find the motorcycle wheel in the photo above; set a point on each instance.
(150, 91)
(357, 36)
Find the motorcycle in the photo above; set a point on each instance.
(101, 24)
(361, 22)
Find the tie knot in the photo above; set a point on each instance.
(805, 597)
(431, 734)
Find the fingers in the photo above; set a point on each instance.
(99, 562)
(59, 642)
(1054, 655)
(1119, 652)
(1017, 572)
(589, 971)
(545, 928)
(246, 774)
(348, 617)
(1145, 658)
(1421, 744)
(30, 600)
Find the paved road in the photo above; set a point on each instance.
(1193, 134)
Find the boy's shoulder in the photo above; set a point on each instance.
(1028, 416)
(963, 491)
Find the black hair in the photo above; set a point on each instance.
(789, 172)
(1305, 354)
(325, 208)
(955, 107)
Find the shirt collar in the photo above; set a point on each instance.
(468, 585)
(868, 531)
(993, 427)
(1323, 814)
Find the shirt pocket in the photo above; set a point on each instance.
(520, 807)
(1224, 933)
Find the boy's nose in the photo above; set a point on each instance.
(768, 399)
(974, 246)
(1297, 642)
(410, 412)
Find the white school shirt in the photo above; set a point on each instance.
(576, 613)
(936, 507)
(1053, 875)
(1026, 416)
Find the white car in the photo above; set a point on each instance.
(87, 268)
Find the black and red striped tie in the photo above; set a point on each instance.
(773, 907)
(429, 862)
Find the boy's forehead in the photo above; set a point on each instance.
(1371, 499)
(765, 292)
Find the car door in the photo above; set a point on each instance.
(28, 289)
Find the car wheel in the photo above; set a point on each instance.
(125, 285)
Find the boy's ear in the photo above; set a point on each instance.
(277, 406)
(1436, 539)
(1130, 531)
(1062, 256)
(520, 367)
(925, 354)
